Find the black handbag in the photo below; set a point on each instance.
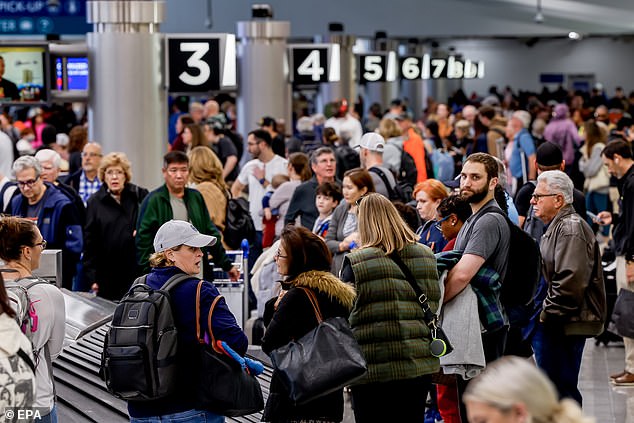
(623, 314)
(324, 360)
(440, 344)
(224, 387)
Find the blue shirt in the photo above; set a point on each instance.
(523, 141)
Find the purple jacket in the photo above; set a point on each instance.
(562, 131)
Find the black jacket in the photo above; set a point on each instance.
(109, 249)
(293, 319)
(624, 222)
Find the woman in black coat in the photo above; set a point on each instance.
(304, 260)
(109, 251)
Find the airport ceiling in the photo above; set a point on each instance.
(414, 18)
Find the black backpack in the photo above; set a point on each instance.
(138, 362)
(523, 273)
(397, 192)
(407, 173)
(238, 223)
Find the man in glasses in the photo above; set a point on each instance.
(85, 180)
(53, 212)
(574, 306)
(549, 156)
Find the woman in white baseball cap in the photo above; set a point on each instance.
(177, 247)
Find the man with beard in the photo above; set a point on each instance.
(484, 239)
(257, 175)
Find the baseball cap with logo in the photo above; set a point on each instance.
(372, 141)
(178, 232)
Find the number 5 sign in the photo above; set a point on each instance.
(201, 63)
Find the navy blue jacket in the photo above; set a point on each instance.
(225, 328)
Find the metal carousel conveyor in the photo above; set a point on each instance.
(82, 395)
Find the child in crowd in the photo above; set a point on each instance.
(327, 199)
(270, 216)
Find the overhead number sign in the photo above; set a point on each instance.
(377, 67)
(314, 63)
(201, 63)
(428, 67)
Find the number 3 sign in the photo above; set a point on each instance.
(200, 63)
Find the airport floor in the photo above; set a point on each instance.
(602, 400)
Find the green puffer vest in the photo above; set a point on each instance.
(387, 319)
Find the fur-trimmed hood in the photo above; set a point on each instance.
(328, 284)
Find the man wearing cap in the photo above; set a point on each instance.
(371, 155)
(414, 145)
(617, 156)
(547, 157)
(174, 201)
(177, 252)
(278, 145)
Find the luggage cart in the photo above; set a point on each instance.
(236, 293)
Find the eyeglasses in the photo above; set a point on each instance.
(28, 183)
(85, 154)
(278, 255)
(536, 197)
(439, 223)
(41, 244)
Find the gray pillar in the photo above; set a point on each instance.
(347, 86)
(263, 87)
(127, 109)
(441, 89)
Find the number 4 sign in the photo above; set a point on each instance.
(314, 63)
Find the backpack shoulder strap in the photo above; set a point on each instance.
(175, 280)
(25, 357)
(140, 280)
(390, 189)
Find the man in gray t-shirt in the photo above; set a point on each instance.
(484, 240)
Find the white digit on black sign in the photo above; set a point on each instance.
(373, 69)
(439, 66)
(194, 61)
(311, 66)
(411, 69)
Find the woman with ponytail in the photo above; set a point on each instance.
(512, 390)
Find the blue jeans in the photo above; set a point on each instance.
(50, 417)
(189, 416)
(559, 356)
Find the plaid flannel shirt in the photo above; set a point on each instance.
(486, 284)
(87, 187)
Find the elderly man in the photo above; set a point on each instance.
(85, 180)
(302, 204)
(574, 308)
(50, 161)
(53, 212)
(521, 149)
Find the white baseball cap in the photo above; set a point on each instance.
(372, 141)
(179, 232)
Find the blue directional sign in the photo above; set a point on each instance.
(28, 17)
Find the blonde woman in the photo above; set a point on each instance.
(205, 175)
(512, 390)
(110, 229)
(387, 319)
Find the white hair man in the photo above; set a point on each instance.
(574, 306)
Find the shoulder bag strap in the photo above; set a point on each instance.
(199, 336)
(428, 315)
(210, 328)
(313, 301)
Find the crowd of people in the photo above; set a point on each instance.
(344, 203)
